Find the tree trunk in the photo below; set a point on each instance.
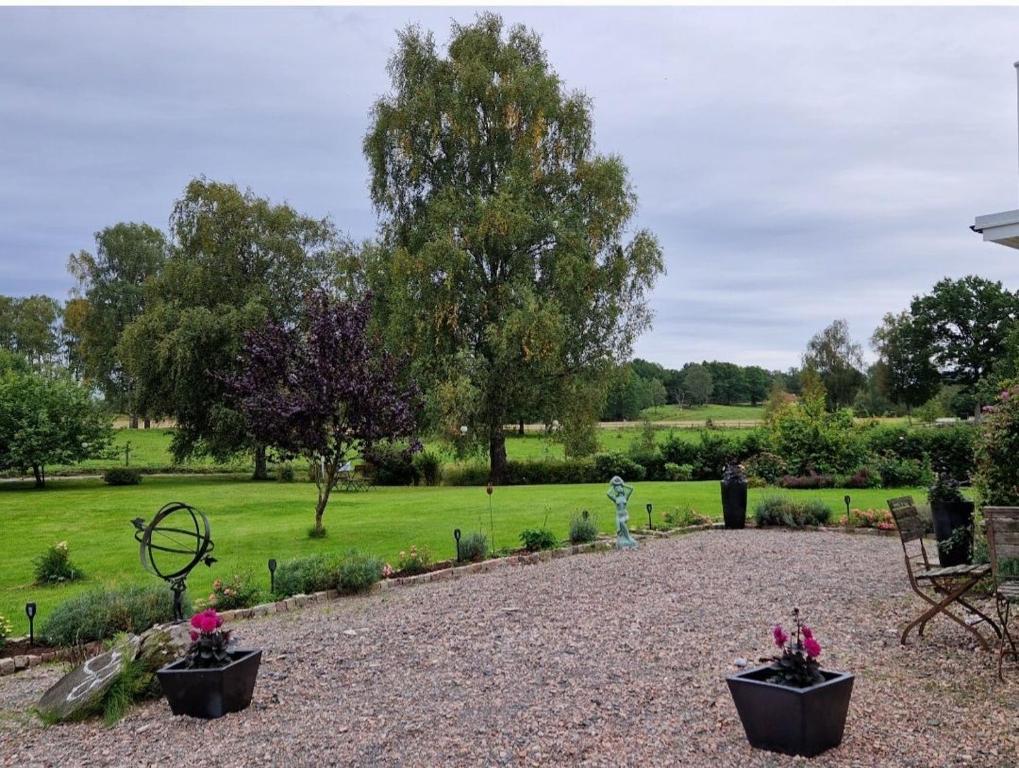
(521, 430)
(496, 453)
(261, 471)
(134, 421)
(325, 487)
(40, 476)
(147, 423)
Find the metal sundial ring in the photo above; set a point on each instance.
(170, 549)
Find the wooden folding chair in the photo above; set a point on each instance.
(1002, 526)
(949, 583)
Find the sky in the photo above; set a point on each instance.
(798, 164)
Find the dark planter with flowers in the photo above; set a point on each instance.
(793, 706)
(952, 515)
(734, 496)
(210, 680)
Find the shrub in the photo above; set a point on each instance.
(683, 518)
(535, 539)
(6, 630)
(102, 613)
(807, 481)
(608, 465)
(428, 466)
(716, 450)
(238, 591)
(391, 465)
(766, 465)
(528, 473)
(582, 529)
(776, 510)
(304, 575)
(122, 476)
(474, 546)
(678, 472)
(357, 572)
(676, 450)
(997, 477)
(871, 518)
(897, 473)
(54, 566)
(413, 561)
(651, 460)
(285, 473)
(864, 477)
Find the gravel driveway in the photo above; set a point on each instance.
(601, 659)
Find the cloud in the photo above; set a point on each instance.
(798, 164)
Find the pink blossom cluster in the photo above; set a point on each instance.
(206, 622)
(808, 644)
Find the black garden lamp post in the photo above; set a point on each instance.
(30, 612)
(650, 525)
(272, 574)
(846, 499)
(456, 535)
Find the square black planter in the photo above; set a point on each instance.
(214, 691)
(794, 721)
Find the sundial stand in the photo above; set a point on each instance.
(178, 586)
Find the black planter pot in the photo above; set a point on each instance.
(734, 504)
(794, 721)
(212, 692)
(948, 517)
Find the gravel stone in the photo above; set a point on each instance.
(608, 659)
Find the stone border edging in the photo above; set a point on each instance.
(14, 664)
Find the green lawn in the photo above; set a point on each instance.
(252, 522)
(704, 412)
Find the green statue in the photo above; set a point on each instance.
(619, 493)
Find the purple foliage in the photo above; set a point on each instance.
(325, 389)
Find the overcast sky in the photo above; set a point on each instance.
(799, 165)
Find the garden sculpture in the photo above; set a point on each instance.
(620, 494)
(175, 541)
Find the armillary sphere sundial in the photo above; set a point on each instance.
(177, 539)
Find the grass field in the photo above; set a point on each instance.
(252, 522)
(674, 412)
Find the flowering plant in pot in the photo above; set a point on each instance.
(952, 515)
(792, 705)
(213, 678)
(734, 495)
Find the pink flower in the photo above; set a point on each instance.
(780, 637)
(207, 621)
(812, 647)
(808, 633)
(195, 634)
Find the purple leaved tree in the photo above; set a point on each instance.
(325, 389)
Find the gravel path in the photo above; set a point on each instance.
(607, 659)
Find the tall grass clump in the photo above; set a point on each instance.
(102, 613)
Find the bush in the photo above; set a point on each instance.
(357, 572)
(285, 473)
(871, 518)
(899, 473)
(304, 575)
(122, 476)
(676, 450)
(474, 546)
(54, 566)
(569, 471)
(678, 472)
(776, 510)
(799, 482)
(238, 591)
(683, 518)
(391, 465)
(582, 529)
(651, 460)
(428, 467)
(414, 561)
(102, 613)
(535, 539)
(864, 477)
(608, 465)
(997, 478)
(766, 465)
(6, 630)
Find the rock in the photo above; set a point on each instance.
(79, 692)
(6, 666)
(740, 662)
(163, 644)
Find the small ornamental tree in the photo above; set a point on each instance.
(324, 389)
(997, 475)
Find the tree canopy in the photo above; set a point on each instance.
(510, 271)
(838, 360)
(236, 261)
